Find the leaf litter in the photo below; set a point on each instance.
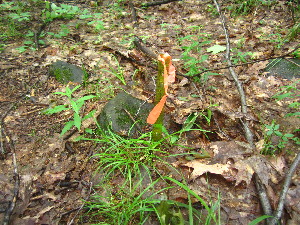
(55, 179)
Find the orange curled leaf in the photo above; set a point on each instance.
(156, 111)
(169, 77)
(169, 72)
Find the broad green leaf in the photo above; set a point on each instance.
(77, 121)
(67, 127)
(84, 98)
(278, 133)
(75, 106)
(289, 135)
(56, 109)
(75, 88)
(89, 115)
(88, 130)
(216, 49)
(293, 114)
(285, 95)
(60, 93)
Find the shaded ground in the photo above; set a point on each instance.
(56, 174)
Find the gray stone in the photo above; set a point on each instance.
(65, 72)
(124, 115)
(286, 68)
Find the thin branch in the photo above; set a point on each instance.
(286, 185)
(247, 63)
(158, 3)
(260, 187)
(248, 133)
(134, 15)
(80, 208)
(138, 43)
(249, 136)
(12, 203)
(263, 197)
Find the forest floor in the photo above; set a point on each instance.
(48, 177)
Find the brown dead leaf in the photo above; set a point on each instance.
(279, 164)
(56, 142)
(256, 67)
(245, 172)
(200, 168)
(225, 150)
(232, 162)
(261, 166)
(51, 177)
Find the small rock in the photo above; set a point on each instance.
(65, 72)
(287, 69)
(124, 115)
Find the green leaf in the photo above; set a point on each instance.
(289, 135)
(285, 95)
(75, 88)
(294, 105)
(75, 107)
(89, 115)
(190, 121)
(86, 98)
(28, 42)
(216, 49)
(293, 114)
(60, 93)
(67, 127)
(88, 130)
(56, 109)
(278, 133)
(79, 104)
(259, 219)
(276, 127)
(77, 121)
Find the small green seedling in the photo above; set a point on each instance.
(75, 105)
(273, 132)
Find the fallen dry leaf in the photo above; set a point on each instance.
(200, 168)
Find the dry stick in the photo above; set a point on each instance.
(80, 208)
(252, 62)
(287, 182)
(12, 203)
(134, 15)
(248, 133)
(249, 136)
(261, 189)
(159, 3)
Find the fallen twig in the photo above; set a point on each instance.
(158, 3)
(252, 62)
(249, 136)
(12, 203)
(248, 133)
(286, 185)
(134, 16)
(80, 208)
(138, 43)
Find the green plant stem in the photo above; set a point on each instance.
(160, 92)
